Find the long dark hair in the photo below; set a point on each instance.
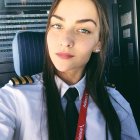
(94, 83)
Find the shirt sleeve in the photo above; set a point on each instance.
(7, 115)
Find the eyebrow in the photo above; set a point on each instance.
(78, 21)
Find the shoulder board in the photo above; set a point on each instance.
(21, 80)
(111, 85)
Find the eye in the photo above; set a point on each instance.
(85, 31)
(56, 26)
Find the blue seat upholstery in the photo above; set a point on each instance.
(28, 52)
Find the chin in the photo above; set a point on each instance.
(62, 68)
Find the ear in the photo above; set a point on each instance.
(97, 48)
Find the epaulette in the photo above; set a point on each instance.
(111, 85)
(21, 80)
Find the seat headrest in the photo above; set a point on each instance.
(28, 52)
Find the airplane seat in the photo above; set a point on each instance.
(28, 52)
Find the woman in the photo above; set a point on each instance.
(76, 40)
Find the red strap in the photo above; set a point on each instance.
(82, 117)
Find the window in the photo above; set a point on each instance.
(18, 15)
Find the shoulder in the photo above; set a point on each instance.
(25, 80)
(20, 102)
(124, 112)
(120, 104)
(117, 100)
(11, 90)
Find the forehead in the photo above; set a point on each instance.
(77, 9)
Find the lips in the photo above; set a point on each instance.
(64, 55)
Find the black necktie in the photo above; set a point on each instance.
(71, 113)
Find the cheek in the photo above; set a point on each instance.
(85, 49)
(51, 41)
(88, 46)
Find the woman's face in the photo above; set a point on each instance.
(73, 35)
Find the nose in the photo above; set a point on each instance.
(67, 40)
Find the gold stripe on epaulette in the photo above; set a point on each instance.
(30, 80)
(21, 80)
(16, 81)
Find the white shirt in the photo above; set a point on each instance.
(95, 122)
(23, 112)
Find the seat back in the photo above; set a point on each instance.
(28, 52)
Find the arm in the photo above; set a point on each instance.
(7, 115)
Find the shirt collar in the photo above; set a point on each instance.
(63, 87)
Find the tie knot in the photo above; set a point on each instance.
(71, 94)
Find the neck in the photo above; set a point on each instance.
(70, 78)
